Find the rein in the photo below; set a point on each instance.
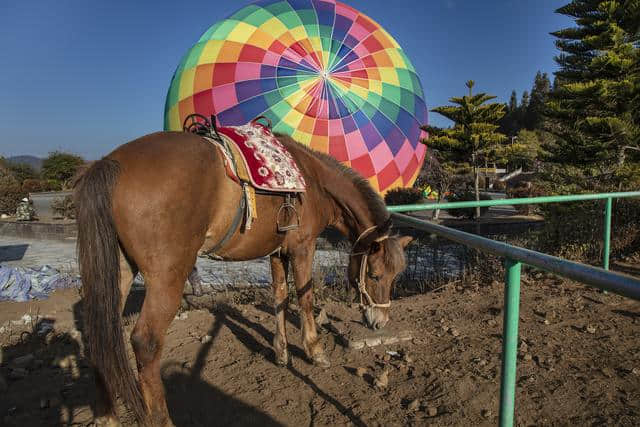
(363, 271)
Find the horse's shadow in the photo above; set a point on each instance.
(239, 325)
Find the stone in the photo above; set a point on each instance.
(386, 358)
(360, 371)
(205, 339)
(486, 413)
(321, 318)
(382, 381)
(414, 405)
(455, 332)
(527, 357)
(432, 411)
(372, 341)
(356, 344)
(591, 329)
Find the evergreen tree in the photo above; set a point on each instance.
(593, 109)
(539, 96)
(513, 102)
(474, 136)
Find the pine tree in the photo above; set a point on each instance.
(513, 102)
(538, 99)
(593, 109)
(474, 135)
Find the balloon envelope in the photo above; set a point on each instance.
(323, 72)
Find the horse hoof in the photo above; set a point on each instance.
(106, 422)
(321, 360)
(282, 360)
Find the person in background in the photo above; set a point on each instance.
(25, 211)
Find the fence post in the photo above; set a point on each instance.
(510, 342)
(607, 232)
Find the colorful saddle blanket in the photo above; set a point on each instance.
(266, 164)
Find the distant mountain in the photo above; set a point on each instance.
(33, 161)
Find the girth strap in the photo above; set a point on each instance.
(235, 224)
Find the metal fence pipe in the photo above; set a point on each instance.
(510, 342)
(519, 201)
(607, 232)
(594, 276)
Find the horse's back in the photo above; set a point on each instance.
(170, 186)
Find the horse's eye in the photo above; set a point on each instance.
(373, 276)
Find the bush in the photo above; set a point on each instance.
(64, 207)
(465, 196)
(403, 196)
(499, 185)
(51, 185)
(32, 185)
(525, 189)
(22, 172)
(10, 193)
(61, 166)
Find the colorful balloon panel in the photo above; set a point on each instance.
(323, 72)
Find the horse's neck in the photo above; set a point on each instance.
(351, 213)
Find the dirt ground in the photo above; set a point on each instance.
(579, 363)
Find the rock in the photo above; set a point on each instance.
(360, 371)
(23, 361)
(414, 405)
(635, 371)
(432, 411)
(182, 316)
(527, 357)
(607, 372)
(546, 321)
(26, 319)
(321, 318)
(591, 329)
(205, 339)
(455, 332)
(356, 344)
(372, 341)
(491, 322)
(486, 413)
(382, 381)
(386, 358)
(18, 374)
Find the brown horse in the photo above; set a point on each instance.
(153, 204)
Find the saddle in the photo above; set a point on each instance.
(259, 163)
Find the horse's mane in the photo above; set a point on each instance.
(373, 199)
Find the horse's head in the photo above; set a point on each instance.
(372, 270)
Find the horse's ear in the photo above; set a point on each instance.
(404, 241)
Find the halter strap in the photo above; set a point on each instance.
(362, 288)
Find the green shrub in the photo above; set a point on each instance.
(403, 196)
(525, 189)
(32, 185)
(10, 193)
(64, 207)
(465, 196)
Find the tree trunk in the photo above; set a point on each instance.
(476, 183)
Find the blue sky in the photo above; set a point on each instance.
(87, 76)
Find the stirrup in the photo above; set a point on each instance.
(287, 206)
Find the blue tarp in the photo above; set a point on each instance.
(23, 284)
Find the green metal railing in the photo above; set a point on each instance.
(532, 201)
(514, 258)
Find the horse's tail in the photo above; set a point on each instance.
(99, 263)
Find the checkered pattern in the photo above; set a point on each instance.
(322, 72)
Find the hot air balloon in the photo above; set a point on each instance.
(322, 72)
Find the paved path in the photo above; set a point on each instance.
(61, 255)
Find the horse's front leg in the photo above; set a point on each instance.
(302, 262)
(279, 269)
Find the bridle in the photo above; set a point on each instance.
(362, 288)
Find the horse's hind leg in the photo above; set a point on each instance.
(302, 261)
(163, 297)
(105, 411)
(279, 268)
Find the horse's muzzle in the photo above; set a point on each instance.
(376, 317)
